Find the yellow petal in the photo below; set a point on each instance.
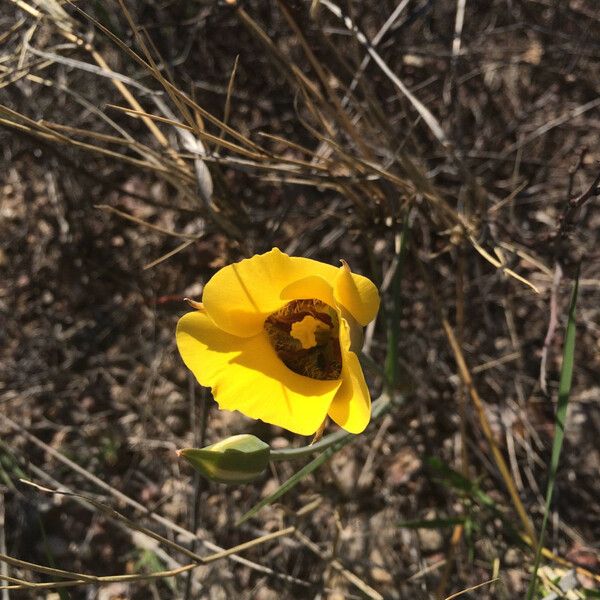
(357, 294)
(351, 407)
(245, 374)
(314, 286)
(239, 297)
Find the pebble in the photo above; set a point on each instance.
(381, 575)
(430, 540)
(512, 557)
(265, 593)
(114, 591)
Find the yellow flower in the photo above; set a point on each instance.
(275, 338)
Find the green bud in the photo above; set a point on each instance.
(237, 459)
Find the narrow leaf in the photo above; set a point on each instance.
(393, 335)
(457, 481)
(333, 443)
(432, 523)
(564, 390)
(313, 465)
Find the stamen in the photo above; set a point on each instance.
(305, 336)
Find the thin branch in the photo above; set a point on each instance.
(576, 203)
(82, 579)
(184, 533)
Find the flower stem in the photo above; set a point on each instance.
(380, 406)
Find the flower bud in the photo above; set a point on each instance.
(237, 459)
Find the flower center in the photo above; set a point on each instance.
(307, 330)
(305, 336)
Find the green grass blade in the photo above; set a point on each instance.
(297, 477)
(380, 407)
(471, 489)
(456, 480)
(440, 523)
(393, 318)
(564, 390)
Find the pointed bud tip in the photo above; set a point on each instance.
(194, 304)
(345, 265)
(237, 459)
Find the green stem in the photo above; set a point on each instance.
(380, 406)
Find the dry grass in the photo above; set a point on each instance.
(433, 145)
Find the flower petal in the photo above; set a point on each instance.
(240, 296)
(357, 294)
(313, 286)
(351, 407)
(245, 374)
